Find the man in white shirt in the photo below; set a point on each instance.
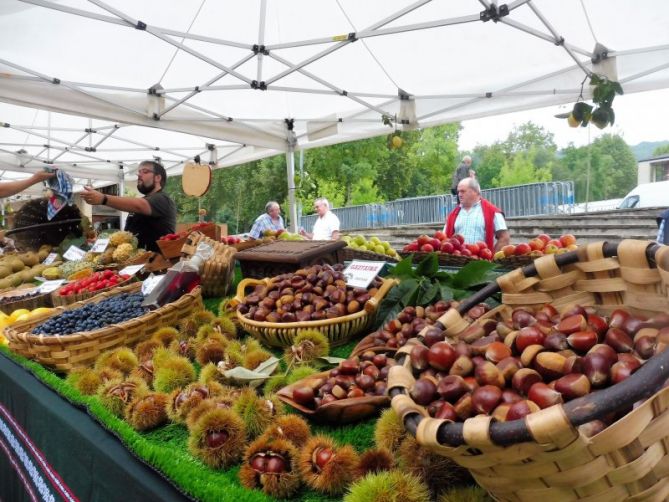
(327, 224)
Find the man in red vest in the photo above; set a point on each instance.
(476, 219)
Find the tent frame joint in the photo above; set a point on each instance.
(259, 85)
(494, 13)
(140, 25)
(260, 49)
(55, 81)
(290, 124)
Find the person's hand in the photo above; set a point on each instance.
(93, 197)
(42, 176)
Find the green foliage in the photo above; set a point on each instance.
(613, 170)
(661, 150)
(522, 169)
(426, 284)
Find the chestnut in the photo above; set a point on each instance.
(423, 391)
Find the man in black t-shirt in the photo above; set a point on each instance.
(150, 217)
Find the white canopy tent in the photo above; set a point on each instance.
(123, 80)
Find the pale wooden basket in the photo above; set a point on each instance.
(543, 457)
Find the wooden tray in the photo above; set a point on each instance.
(342, 411)
(286, 256)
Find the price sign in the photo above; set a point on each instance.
(49, 286)
(74, 253)
(50, 259)
(131, 269)
(360, 273)
(150, 283)
(100, 246)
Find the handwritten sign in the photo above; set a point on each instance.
(74, 253)
(100, 246)
(360, 273)
(49, 286)
(50, 259)
(131, 269)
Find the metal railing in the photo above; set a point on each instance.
(522, 200)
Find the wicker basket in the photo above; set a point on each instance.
(67, 352)
(348, 254)
(43, 300)
(219, 270)
(544, 457)
(59, 300)
(445, 260)
(511, 262)
(338, 330)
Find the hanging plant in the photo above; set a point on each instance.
(395, 140)
(601, 113)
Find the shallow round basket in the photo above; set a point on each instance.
(43, 300)
(64, 353)
(59, 300)
(544, 456)
(445, 260)
(348, 254)
(510, 262)
(338, 330)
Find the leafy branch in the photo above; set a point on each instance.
(426, 284)
(602, 114)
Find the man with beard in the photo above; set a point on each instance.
(150, 217)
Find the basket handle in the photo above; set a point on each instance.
(241, 287)
(372, 304)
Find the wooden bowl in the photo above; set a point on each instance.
(343, 411)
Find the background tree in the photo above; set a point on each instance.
(661, 150)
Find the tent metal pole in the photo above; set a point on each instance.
(290, 174)
(261, 37)
(231, 87)
(543, 36)
(72, 146)
(113, 20)
(69, 86)
(346, 41)
(382, 22)
(121, 191)
(557, 37)
(328, 84)
(199, 89)
(159, 34)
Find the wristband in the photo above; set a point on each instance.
(104, 200)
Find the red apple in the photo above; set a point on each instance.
(447, 247)
(466, 252)
(412, 247)
(537, 244)
(485, 254)
(551, 249)
(555, 242)
(509, 250)
(544, 237)
(422, 240)
(460, 238)
(567, 240)
(481, 244)
(456, 243)
(427, 248)
(473, 249)
(436, 243)
(522, 249)
(440, 235)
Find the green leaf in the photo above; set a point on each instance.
(387, 312)
(403, 269)
(428, 293)
(474, 273)
(411, 292)
(446, 292)
(429, 266)
(328, 360)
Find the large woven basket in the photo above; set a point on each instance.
(544, 457)
(338, 330)
(67, 352)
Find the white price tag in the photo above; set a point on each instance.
(50, 259)
(100, 246)
(49, 286)
(74, 253)
(360, 273)
(131, 269)
(150, 283)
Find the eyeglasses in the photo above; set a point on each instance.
(145, 171)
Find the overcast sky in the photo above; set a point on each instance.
(642, 116)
